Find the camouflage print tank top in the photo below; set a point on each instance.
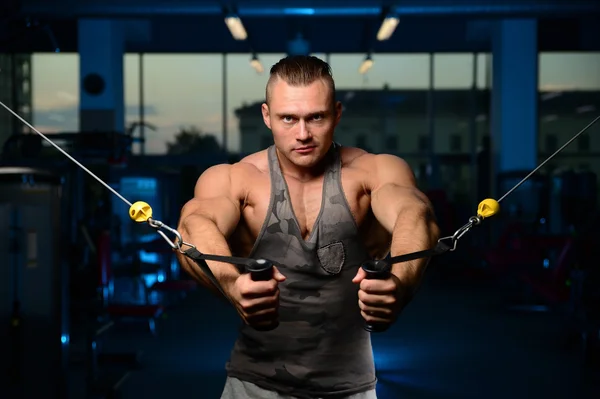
(320, 347)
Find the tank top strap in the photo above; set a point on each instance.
(336, 215)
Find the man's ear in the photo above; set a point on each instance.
(338, 112)
(266, 115)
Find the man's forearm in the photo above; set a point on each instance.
(204, 234)
(414, 230)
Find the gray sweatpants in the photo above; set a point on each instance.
(238, 389)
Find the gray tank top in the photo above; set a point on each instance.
(320, 347)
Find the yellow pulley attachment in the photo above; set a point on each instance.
(140, 212)
(488, 208)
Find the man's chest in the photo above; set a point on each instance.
(305, 201)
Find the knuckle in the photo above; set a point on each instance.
(245, 305)
(365, 285)
(272, 286)
(362, 295)
(242, 287)
(369, 300)
(245, 296)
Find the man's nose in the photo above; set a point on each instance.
(303, 134)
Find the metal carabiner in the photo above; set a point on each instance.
(473, 221)
(158, 225)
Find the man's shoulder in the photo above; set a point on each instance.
(353, 156)
(252, 164)
(241, 171)
(375, 168)
(357, 157)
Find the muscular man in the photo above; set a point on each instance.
(318, 210)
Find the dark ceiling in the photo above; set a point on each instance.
(343, 26)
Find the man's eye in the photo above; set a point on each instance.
(288, 119)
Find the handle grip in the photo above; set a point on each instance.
(378, 270)
(262, 270)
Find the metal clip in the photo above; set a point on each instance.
(158, 225)
(473, 221)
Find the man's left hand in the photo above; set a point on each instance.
(380, 301)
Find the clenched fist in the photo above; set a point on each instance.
(257, 302)
(380, 300)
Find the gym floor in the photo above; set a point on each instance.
(457, 339)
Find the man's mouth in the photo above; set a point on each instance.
(305, 150)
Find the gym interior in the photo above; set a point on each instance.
(147, 94)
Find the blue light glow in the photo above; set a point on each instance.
(299, 11)
(149, 257)
(146, 237)
(305, 11)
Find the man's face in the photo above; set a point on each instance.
(302, 119)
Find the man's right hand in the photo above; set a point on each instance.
(257, 302)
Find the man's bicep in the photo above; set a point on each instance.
(394, 190)
(216, 198)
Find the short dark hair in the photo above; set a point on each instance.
(301, 70)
